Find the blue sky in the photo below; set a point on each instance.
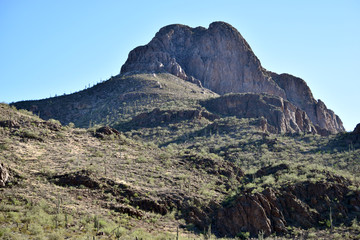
(49, 48)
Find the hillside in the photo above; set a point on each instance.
(119, 99)
(194, 175)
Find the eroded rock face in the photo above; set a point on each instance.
(250, 213)
(304, 205)
(219, 58)
(281, 115)
(298, 93)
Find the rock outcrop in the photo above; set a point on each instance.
(305, 204)
(251, 213)
(298, 93)
(280, 115)
(220, 59)
(102, 132)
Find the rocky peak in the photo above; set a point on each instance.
(220, 59)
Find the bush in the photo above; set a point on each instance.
(55, 236)
(35, 229)
(53, 121)
(30, 134)
(243, 235)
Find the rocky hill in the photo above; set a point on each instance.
(196, 175)
(119, 99)
(220, 59)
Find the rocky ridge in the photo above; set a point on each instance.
(220, 59)
(278, 115)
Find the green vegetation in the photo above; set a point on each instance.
(133, 94)
(145, 181)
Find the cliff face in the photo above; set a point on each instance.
(220, 59)
(298, 92)
(279, 115)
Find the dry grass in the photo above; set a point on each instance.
(135, 160)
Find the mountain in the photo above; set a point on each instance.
(181, 66)
(193, 140)
(220, 59)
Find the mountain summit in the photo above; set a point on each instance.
(220, 59)
(218, 56)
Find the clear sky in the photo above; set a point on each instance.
(49, 48)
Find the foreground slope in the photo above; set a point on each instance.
(223, 175)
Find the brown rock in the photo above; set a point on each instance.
(250, 213)
(121, 208)
(265, 171)
(299, 94)
(106, 131)
(79, 178)
(281, 115)
(305, 204)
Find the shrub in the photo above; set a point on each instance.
(35, 229)
(53, 121)
(55, 236)
(30, 134)
(243, 235)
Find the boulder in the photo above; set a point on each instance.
(102, 132)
